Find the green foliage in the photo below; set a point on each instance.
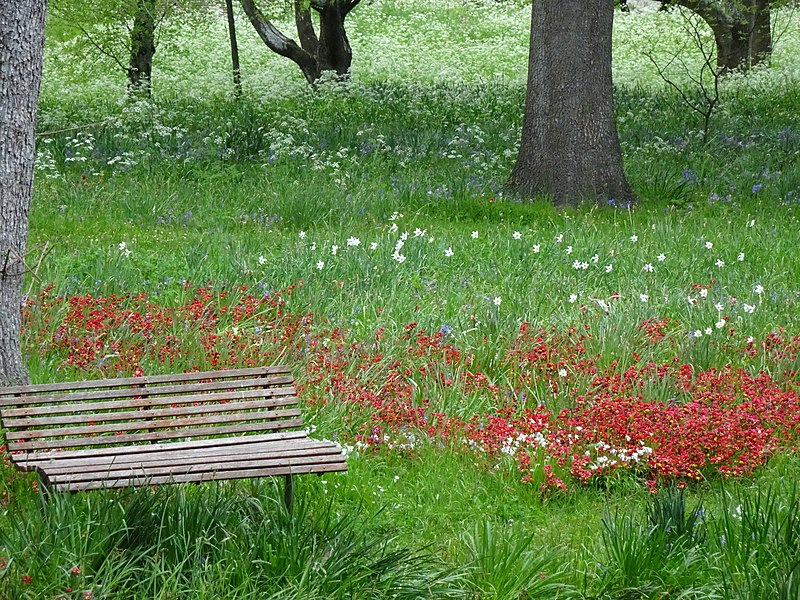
(193, 185)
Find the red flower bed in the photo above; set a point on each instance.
(544, 408)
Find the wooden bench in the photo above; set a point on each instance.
(138, 431)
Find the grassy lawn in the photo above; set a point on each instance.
(596, 403)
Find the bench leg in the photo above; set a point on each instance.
(288, 492)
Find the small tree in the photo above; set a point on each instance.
(315, 54)
(702, 94)
(570, 149)
(21, 48)
(123, 30)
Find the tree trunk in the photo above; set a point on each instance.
(334, 52)
(570, 149)
(742, 30)
(143, 47)
(21, 48)
(314, 55)
(237, 75)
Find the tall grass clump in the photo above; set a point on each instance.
(204, 542)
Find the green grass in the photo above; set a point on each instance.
(199, 187)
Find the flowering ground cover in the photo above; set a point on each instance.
(595, 403)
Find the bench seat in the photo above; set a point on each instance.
(188, 427)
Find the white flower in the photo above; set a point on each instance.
(740, 257)
(644, 297)
(602, 304)
(576, 264)
(395, 215)
(661, 257)
(122, 245)
(748, 308)
(562, 372)
(313, 245)
(536, 248)
(404, 236)
(393, 228)
(708, 331)
(719, 262)
(648, 268)
(569, 250)
(474, 235)
(320, 264)
(448, 251)
(759, 289)
(596, 258)
(719, 306)
(419, 232)
(262, 260)
(334, 249)
(559, 238)
(709, 245)
(497, 300)
(302, 235)
(634, 238)
(720, 324)
(691, 301)
(750, 339)
(697, 333)
(399, 257)
(516, 235)
(609, 268)
(703, 292)
(572, 298)
(373, 246)
(751, 223)
(353, 241)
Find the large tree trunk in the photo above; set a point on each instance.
(21, 48)
(570, 149)
(742, 30)
(328, 52)
(143, 47)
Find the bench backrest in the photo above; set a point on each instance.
(140, 410)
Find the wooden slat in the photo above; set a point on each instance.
(31, 411)
(154, 436)
(181, 423)
(190, 465)
(145, 380)
(127, 415)
(47, 455)
(210, 476)
(190, 470)
(248, 452)
(162, 390)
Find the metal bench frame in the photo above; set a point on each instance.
(162, 429)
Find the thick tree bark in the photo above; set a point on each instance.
(21, 48)
(330, 51)
(570, 149)
(143, 47)
(742, 30)
(237, 74)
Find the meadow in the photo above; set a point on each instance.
(587, 403)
